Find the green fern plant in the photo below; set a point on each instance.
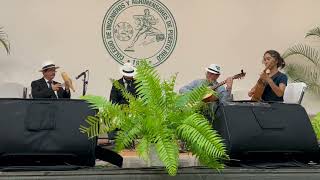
(4, 40)
(308, 69)
(316, 125)
(158, 118)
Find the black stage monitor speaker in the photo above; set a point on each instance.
(266, 130)
(44, 131)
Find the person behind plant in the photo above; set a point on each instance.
(128, 82)
(275, 80)
(212, 74)
(46, 87)
(224, 93)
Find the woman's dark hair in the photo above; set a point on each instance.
(277, 57)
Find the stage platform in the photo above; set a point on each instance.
(135, 168)
(189, 173)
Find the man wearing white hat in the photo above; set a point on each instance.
(212, 74)
(116, 97)
(46, 87)
(127, 80)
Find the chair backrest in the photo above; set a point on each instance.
(11, 90)
(294, 92)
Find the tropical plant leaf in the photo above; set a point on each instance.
(4, 40)
(308, 75)
(194, 97)
(316, 125)
(304, 50)
(313, 32)
(93, 129)
(127, 135)
(96, 102)
(128, 96)
(150, 89)
(143, 148)
(197, 131)
(167, 151)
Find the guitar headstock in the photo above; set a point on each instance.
(240, 75)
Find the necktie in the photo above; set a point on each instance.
(50, 84)
(129, 84)
(50, 87)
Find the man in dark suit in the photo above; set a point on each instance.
(127, 80)
(46, 87)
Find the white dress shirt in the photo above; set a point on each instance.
(48, 84)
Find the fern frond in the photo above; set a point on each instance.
(169, 85)
(143, 148)
(96, 102)
(304, 50)
(93, 129)
(314, 32)
(127, 135)
(148, 81)
(213, 163)
(194, 97)
(128, 96)
(167, 151)
(169, 94)
(196, 130)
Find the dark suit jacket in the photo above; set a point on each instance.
(40, 90)
(116, 95)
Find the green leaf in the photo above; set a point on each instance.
(96, 102)
(197, 132)
(316, 125)
(167, 151)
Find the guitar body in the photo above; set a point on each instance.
(260, 86)
(259, 89)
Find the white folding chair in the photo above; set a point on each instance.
(294, 93)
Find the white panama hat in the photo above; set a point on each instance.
(48, 65)
(128, 70)
(214, 68)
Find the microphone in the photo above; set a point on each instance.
(82, 74)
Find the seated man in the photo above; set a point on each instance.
(46, 87)
(212, 75)
(127, 80)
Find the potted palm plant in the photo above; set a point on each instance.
(159, 118)
(4, 40)
(307, 68)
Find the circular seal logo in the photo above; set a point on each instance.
(133, 30)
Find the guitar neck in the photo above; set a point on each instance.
(221, 83)
(218, 85)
